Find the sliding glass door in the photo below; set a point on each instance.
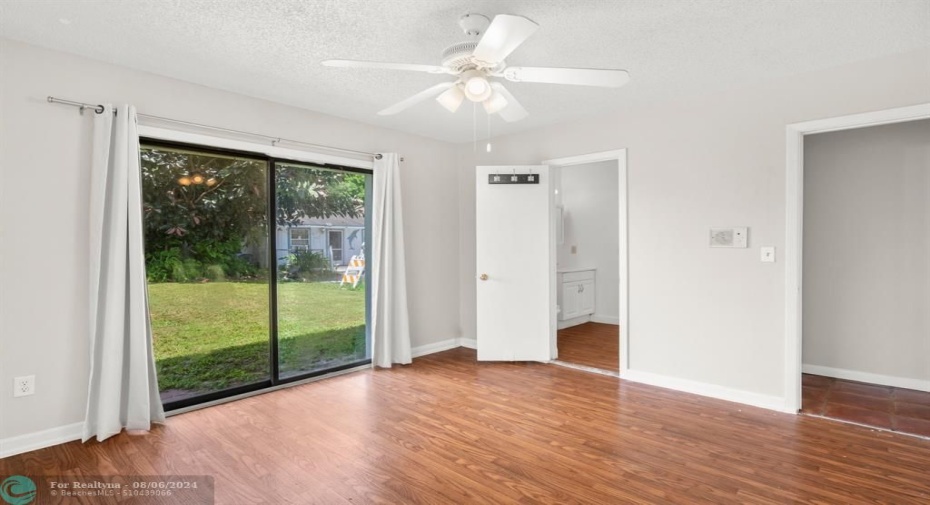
(246, 287)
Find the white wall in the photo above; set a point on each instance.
(711, 317)
(44, 200)
(589, 197)
(867, 250)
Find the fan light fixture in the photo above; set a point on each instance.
(451, 98)
(477, 87)
(494, 103)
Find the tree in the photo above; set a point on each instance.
(303, 192)
(204, 208)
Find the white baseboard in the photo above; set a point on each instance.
(575, 321)
(705, 389)
(444, 345)
(435, 347)
(593, 318)
(40, 439)
(867, 377)
(597, 318)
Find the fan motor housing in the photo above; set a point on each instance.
(458, 56)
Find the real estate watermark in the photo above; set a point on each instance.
(141, 489)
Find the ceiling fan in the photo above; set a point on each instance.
(477, 61)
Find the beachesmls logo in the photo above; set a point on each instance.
(18, 490)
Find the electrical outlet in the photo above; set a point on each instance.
(24, 386)
(574, 249)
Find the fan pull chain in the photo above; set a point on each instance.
(489, 133)
(474, 126)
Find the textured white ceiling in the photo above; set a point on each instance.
(272, 48)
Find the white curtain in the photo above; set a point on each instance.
(390, 326)
(123, 390)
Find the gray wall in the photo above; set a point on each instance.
(867, 250)
(709, 316)
(45, 161)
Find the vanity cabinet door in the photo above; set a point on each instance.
(586, 298)
(571, 299)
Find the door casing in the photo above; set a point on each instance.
(794, 225)
(620, 156)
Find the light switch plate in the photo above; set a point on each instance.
(740, 237)
(768, 254)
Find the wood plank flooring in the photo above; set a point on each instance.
(591, 344)
(890, 408)
(449, 430)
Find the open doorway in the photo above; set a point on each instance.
(590, 268)
(867, 253)
(587, 264)
(865, 230)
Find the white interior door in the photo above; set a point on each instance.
(515, 265)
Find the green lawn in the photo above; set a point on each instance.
(213, 336)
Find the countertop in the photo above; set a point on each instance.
(574, 269)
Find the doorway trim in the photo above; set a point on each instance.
(620, 156)
(794, 224)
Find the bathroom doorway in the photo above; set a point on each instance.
(590, 224)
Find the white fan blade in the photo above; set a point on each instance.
(513, 111)
(432, 69)
(580, 76)
(505, 34)
(415, 99)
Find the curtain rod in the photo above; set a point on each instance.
(98, 109)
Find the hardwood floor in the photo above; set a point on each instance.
(890, 408)
(591, 344)
(449, 430)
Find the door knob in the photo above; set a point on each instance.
(484, 277)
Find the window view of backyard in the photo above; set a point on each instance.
(208, 266)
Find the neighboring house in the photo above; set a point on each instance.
(336, 238)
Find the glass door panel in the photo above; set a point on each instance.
(207, 263)
(321, 321)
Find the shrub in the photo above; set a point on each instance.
(311, 261)
(238, 267)
(160, 266)
(187, 270)
(214, 273)
(216, 251)
(313, 266)
(216, 261)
